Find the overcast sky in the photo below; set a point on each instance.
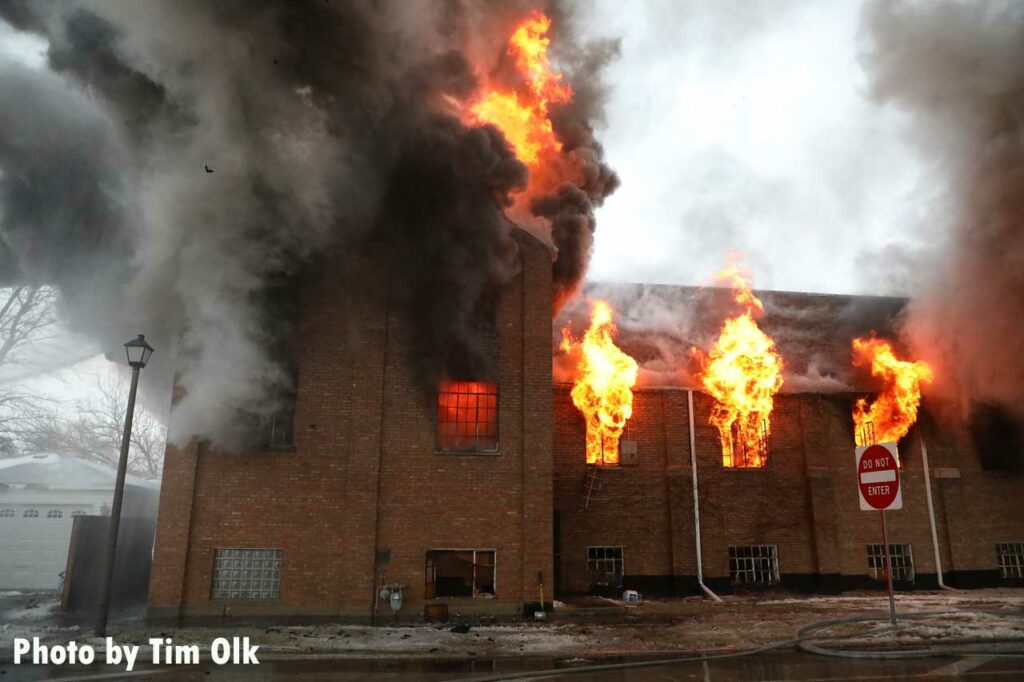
(747, 126)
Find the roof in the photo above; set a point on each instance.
(63, 472)
(659, 324)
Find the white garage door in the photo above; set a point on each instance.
(34, 545)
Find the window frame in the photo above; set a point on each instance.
(1010, 558)
(439, 448)
(7, 513)
(55, 514)
(220, 595)
(428, 565)
(752, 565)
(620, 560)
(30, 514)
(901, 558)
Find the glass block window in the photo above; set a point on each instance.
(55, 514)
(6, 513)
(901, 557)
(30, 514)
(754, 564)
(605, 566)
(467, 416)
(1011, 559)
(246, 573)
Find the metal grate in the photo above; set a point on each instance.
(740, 456)
(605, 566)
(754, 565)
(247, 573)
(1011, 559)
(900, 556)
(467, 416)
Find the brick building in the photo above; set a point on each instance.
(471, 497)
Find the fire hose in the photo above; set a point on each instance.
(803, 640)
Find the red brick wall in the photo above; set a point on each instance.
(805, 501)
(364, 441)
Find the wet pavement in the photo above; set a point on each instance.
(762, 667)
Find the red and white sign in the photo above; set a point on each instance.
(878, 477)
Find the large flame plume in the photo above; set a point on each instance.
(603, 390)
(522, 113)
(894, 411)
(742, 372)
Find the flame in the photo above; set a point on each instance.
(522, 113)
(894, 411)
(742, 373)
(603, 390)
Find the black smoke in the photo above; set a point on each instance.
(958, 69)
(329, 127)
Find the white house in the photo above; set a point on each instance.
(39, 497)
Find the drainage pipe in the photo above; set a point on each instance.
(931, 510)
(696, 499)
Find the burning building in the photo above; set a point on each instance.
(472, 497)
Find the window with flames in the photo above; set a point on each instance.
(750, 452)
(467, 416)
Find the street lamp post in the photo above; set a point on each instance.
(138, 355)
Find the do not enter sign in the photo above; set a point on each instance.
(878, 477)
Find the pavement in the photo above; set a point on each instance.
(985, 623)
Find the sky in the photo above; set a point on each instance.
(747, 127)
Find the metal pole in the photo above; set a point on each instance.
(115, 510)
(888, 569)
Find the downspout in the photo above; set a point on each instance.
(931, 510)
(696, 499)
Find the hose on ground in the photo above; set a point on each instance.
(803, 640)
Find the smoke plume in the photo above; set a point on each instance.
(958, 68)
(179, 165)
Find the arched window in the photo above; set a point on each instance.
(55, 514)
(79, 512)
(30, 514)
(6, 513)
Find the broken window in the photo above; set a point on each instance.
(998, 438)
(754, 564)
(246, 573)
(627, 446)
(1011, 559)
(467, 416)
(279, 430)
(460, 573)
(605, 566)
(901, 558)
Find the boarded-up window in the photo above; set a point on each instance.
(467, 416)
(460, 573)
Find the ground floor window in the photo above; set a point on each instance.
(605, 566)
(246, 573)
(460, 573)
(754, 564)
(900, 556)
(1011, 559)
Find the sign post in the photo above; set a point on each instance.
(878, 484)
